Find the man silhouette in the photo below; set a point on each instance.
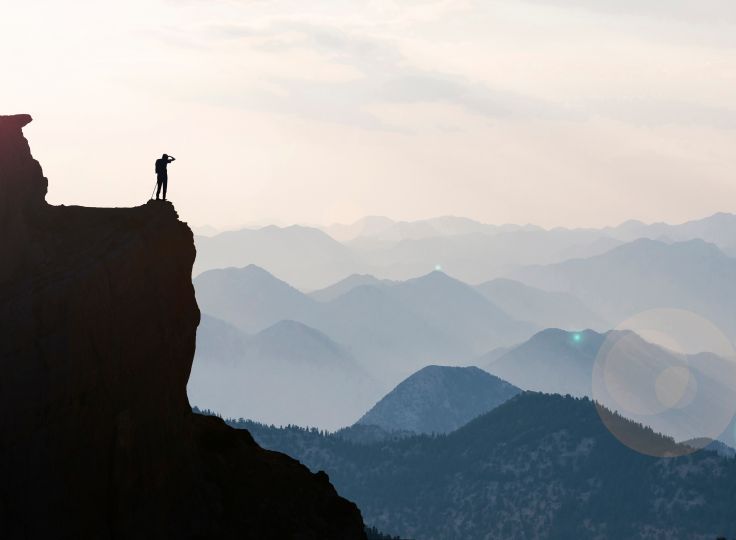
(162, 177)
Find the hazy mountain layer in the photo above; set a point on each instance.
(303, 256)
(471, 251)
(478, 257)
(543, 308)
(719, 229)
(552, 361)
(392, 330)
(250, 298)
(647, 274)
(628, 374)
(346, 285)
(383, 229)
(287, 373)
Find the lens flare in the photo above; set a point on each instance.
(671, 371)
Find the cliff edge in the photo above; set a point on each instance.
(97, 439)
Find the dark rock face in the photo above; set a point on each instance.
(98, 324)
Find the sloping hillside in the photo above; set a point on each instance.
(538, 466)
(439, 399)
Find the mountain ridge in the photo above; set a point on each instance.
(646, 274)
(538, 466)
(392, 329)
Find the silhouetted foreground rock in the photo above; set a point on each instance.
(97, 439)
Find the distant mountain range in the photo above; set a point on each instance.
(552, 361)
(474, 252)
(346, 285)
(304, 256)
(362, 316)
(623, 371)
(477, 257)
(646, 274)
(538, 466)
(287, 373)
(250, 298)
(545, 309)
(392, 329)
(719, 229)
(438, 399)
(384, 229)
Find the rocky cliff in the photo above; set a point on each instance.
(98, 326)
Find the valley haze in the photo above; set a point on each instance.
(356, 309)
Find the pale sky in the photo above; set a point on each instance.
(554, 112)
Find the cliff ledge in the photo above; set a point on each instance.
(97, 439)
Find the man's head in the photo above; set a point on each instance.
(165, 156)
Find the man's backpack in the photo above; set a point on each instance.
(160, 167)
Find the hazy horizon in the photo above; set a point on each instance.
(283, 224)
(557, 113)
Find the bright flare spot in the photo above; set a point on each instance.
(438, 268)
(577, 338)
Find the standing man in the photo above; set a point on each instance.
(162, 176)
